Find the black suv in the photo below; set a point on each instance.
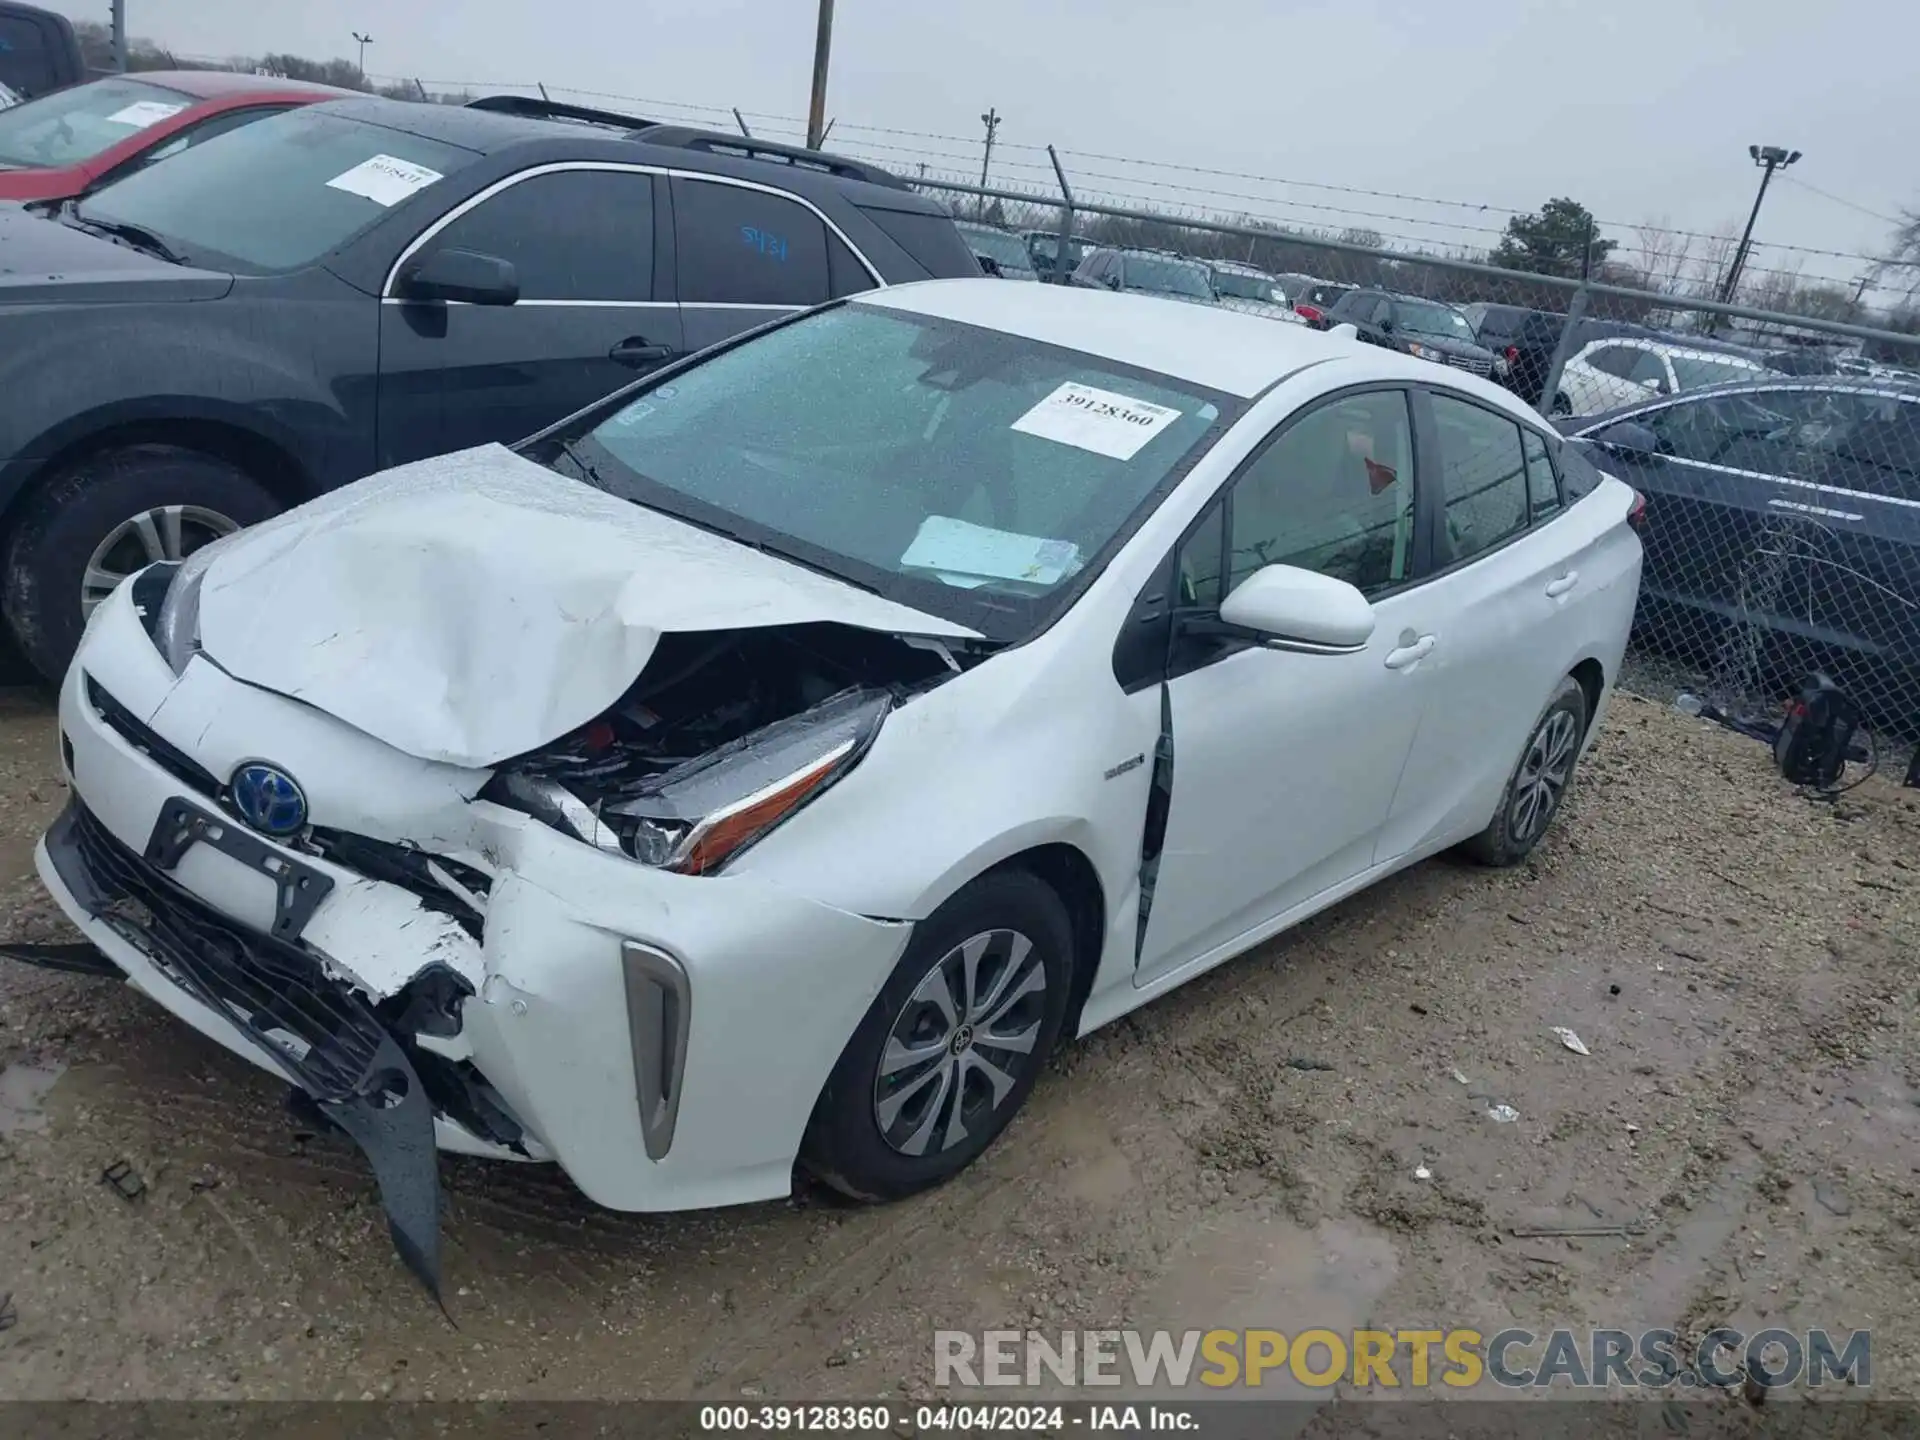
(1525, 338)
(361, 283)
(1426, 328)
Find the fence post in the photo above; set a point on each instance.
(1562, 351)
(1066, 217)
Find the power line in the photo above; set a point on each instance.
(1838, 200)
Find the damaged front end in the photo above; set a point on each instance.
(721, 739)
(723, 735)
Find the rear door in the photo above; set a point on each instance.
(1525, 587)
(745, 254)
(590, 317)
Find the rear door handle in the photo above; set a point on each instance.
(1412, 654)
(635, 350)
(1558, 587)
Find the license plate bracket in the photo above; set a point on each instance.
(298, 887)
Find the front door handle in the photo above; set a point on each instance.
(1405, 655)
(636, 351)
(1560, 586)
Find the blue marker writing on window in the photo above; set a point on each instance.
(765, 241)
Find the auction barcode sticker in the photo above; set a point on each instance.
(1103, 421)
(385, 179)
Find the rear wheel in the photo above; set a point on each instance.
(1539, 782)
(952, 1046)
(101, 519)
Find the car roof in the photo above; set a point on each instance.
(494, 133)
(1225, 350)
(1765, 384)
(1672, 347)
(219, 84)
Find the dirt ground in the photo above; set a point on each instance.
(1738, 958)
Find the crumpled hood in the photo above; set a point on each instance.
(472, 607)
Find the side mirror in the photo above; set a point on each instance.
(463, 276)
(989, 265)
(1660, 386)
(1113, 282)
(1386, 326)
(1301, 610)
(1629, 438)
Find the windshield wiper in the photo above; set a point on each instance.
(583, 465)
(125, 231)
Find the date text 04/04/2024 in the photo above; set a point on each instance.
(880, 1419)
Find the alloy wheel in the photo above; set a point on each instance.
(1544, 772)
(166, 532)
(961, 1044)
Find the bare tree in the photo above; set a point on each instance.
(1665, 254)
(1710, 266)
(1900, 270)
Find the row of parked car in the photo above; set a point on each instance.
(1783, 484)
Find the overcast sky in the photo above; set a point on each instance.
(1640, 109)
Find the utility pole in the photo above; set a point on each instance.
(119, 37)
(1770, 158)
(817, 106)
(992, 121)
(365, 40)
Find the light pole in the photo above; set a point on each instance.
(365, 40)
(992, 121)
(817, 105)
(1770, 158)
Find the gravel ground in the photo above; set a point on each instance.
(1737, 958)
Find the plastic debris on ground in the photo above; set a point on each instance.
(1421, 1172)
(1503, 1114)
(1572, 1041)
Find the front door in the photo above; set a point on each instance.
(581, 242)
(1284, 764)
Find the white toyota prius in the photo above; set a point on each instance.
(773, 763)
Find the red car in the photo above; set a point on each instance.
(71, 141)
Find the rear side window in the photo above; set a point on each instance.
(570, 235)
(930, 239)
(845, 273)
(746, 247)
(1483, 477)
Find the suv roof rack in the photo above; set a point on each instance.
(529, 108)
(688, 137)
(747, 147)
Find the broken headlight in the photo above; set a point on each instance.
(698, 815)
(176, 629)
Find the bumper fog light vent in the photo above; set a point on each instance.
(658, 1018)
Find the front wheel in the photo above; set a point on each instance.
(1561, 406)
(1539, 782)
(96, 522)
(952, 1046)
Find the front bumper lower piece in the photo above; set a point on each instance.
(312, 1028)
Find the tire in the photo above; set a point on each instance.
(875, 1137)
(1553, 747)
(1561, 406)
(75, 512)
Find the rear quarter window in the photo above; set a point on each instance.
(931, 241)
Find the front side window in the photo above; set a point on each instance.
(1334, 493)
(74, 125)
(964, 471)
(278, 194)
(747, 247)
(1483, 477)
(1648, 369)
(569, 235)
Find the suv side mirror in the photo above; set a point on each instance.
(463, 276)
(1386, 325)
(1298, 609)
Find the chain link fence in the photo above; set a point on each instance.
(1779, 455)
